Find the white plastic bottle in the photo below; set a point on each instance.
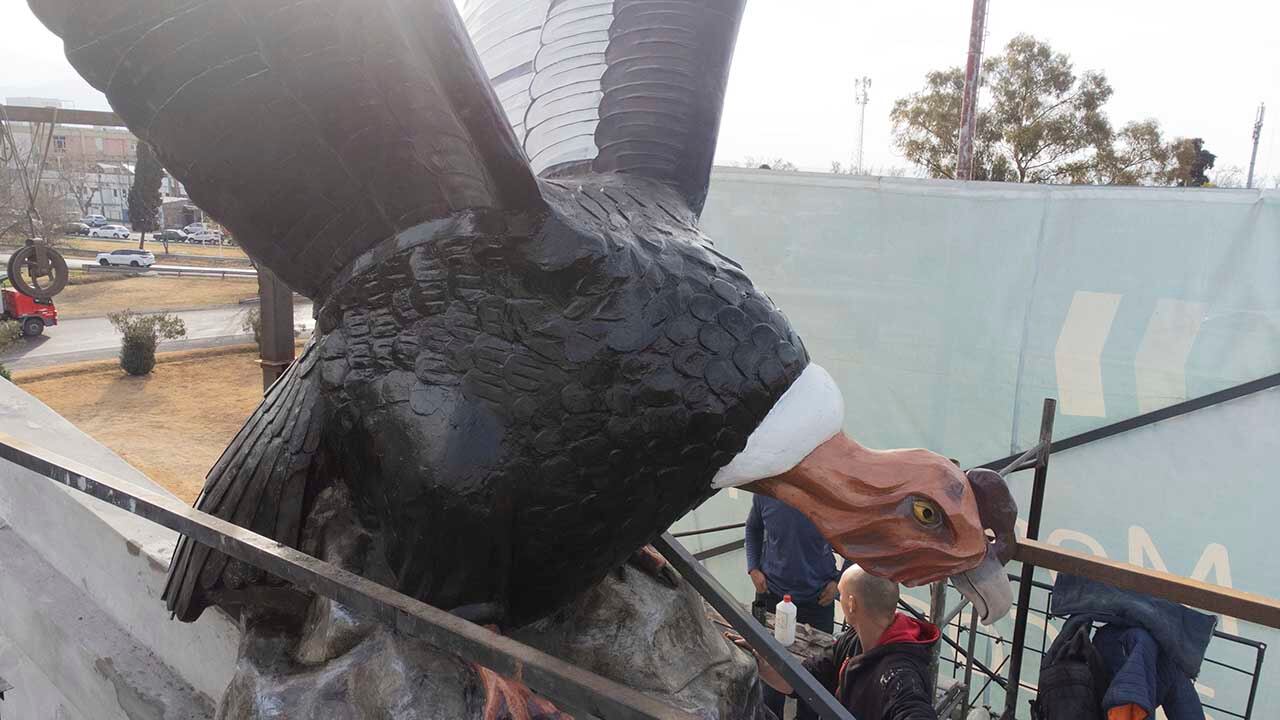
(784, 622)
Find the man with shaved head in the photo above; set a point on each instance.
(879, 668)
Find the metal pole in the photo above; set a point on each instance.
(1257, 135)
(1253, 685)
(969, 104)
(276, 330)
(817, 697)
(969, 700)
(937, 610)
(1028, 570)
(861, 85)
(551, 677)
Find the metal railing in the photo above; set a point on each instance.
(966, 633)
(555, 679)
(551, 677)
(1034, 554)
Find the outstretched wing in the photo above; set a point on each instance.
(313, 130)
(612, 85)
(260, 483)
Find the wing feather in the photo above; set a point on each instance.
(313, 130)
(612, 85)
(261, 482)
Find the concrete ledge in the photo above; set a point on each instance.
(94, 665)
(118, 560)
(33, 694)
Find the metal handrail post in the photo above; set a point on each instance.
(1028, 570)
(1253, 684)
(804, 684)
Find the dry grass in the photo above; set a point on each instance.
(96, 245)
(172, 424)
(90, 296)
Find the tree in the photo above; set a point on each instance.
(1041, 122)
(1191, 161)
(80, 179)
(144, 194)
(765, 164)
(839, 168)
(1228, 177)
(31, 198)
(1137, 155)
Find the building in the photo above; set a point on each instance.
(178, 212)
(89, 169)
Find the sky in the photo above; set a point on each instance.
(1199, 68)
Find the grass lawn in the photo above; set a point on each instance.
(92, 295)
(172, 424)
(98, 245)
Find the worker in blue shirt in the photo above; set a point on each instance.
(786, 555)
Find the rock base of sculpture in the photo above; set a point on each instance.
(329, 663)
(630, 628)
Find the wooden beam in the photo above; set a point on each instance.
(275, 333)
(1213, 598)
(59, 116)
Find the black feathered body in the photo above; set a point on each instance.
(516, 405)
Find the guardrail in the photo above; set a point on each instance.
(222, 273)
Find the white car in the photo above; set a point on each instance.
(197, 227)
(132, 258)
(109, 231)
(205, 237)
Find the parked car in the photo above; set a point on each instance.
(171, 235)
(94, 220)
(197, 227)
(205, 237)
(132, 258)
(109, 231)
(76, 228)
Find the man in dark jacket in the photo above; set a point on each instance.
(885, 679)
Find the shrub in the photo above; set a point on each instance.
(10, 331)
(251, 321)
(141, 335)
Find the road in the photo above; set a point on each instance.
(95, 339)
(82, 264)
(175, 249)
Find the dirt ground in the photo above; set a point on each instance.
(171, 425)
(97, 295)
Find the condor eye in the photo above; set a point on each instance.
(926, 512)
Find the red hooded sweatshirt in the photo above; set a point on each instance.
(889, 680)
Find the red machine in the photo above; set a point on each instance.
(37, 272)
(33, 313)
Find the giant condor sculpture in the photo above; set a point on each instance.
(528, 360)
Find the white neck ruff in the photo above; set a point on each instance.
(808, 414)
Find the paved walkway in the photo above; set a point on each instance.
(95, 339)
